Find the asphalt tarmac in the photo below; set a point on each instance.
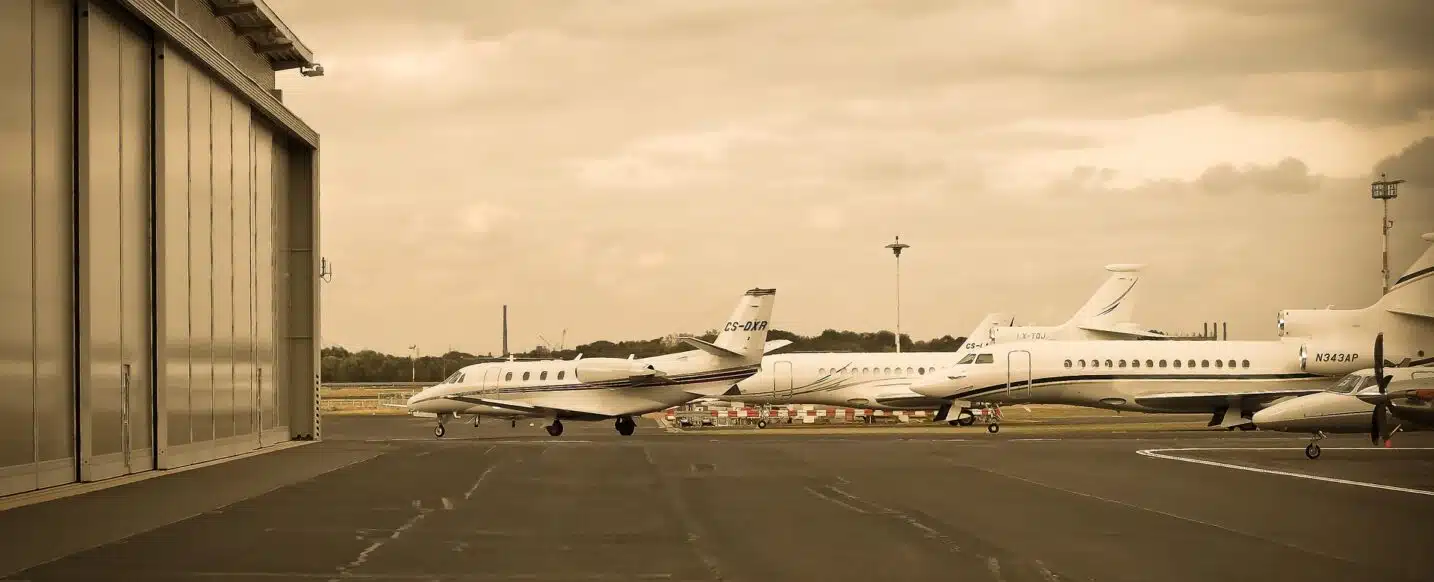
(382, 499)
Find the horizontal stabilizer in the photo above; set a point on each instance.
(710, 348)
(775, 345)
(1410, 313)
(1208, 401)
(1122, 330)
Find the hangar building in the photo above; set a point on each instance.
(158, 238)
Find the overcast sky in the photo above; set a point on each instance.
(625, 170)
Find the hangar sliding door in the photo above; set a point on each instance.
(215, 234)
(37, 396)
(115, 250)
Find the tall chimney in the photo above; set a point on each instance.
(505, 331)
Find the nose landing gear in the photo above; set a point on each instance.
(1312, 450)
(555, 429)
(438, 430)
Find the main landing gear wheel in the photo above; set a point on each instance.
(555, 429)
(993, 428)
(438, 431)
(625, 425)
(966, 420)
(762, 423)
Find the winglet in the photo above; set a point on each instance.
(709, 347)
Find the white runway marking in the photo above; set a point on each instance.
(1156, 453)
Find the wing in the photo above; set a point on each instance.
(1210, 401)
(553, 405)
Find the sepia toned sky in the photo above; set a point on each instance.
(626, 170)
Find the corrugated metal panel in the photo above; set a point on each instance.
(169, 25)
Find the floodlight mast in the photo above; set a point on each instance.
(896, 249)
(1385, 190)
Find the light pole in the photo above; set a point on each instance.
(896, 249)
(1385, 190)
(413, 365)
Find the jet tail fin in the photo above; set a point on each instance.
(1413, 292)
(1114, 302)
(985, 331)
(744, 335)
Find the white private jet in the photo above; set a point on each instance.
(1360, 403)
(1229, 379)
(882, 380)
(606, 388)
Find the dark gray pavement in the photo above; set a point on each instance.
(381, 499)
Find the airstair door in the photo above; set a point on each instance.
(1018, 375)
(782, 380)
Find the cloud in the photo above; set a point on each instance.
(826, 218)
(483, 217)
(650, 259)
(1415, 164)
(542, 148)
(1289, 176)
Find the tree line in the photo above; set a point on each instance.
(342, 365)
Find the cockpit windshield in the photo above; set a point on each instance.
(985, 359)
(1351, 383)
(454, 379)
(968, 359)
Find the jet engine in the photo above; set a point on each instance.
(1335, 357)
(594, 370)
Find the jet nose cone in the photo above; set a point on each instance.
(1278, 417)
(938, 385)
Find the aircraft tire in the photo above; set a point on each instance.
(438, 431)
(762, 423)
(1312, 451)
(993, 428)
(966, 421)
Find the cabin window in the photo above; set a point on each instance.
(985, 359)
(1095, 363)
(908, 370)
(1122, 363)
(866, 370)
(508, 377)
(543, 375)
(1231, 364)
(1068, 363)
(1190, 364)
(526, 374)
(821, 370)
(1162, 363)
(888, 371)
(1108, 364)
(1149, 364)
(1082, 363)
(560, 374)
(921, 370)
(1219, 363)
(1135, 363)
(1244, 363)
(1177, 363)
(1204, 363)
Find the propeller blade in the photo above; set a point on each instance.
(1379, 358)
(1375, 428)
